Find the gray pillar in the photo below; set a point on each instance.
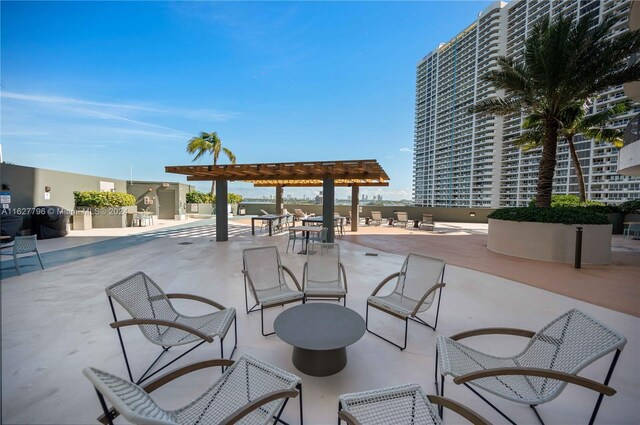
(278, 199)
(222, 219)
(355, 207)
(328, 199)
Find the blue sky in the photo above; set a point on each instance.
(102, 87)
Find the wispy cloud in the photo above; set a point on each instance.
(405, 150)
(118, 111)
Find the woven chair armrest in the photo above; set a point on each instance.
(304, 275)
(286, 269)
(168, 377)
(344, 276)
(348, 418)
(543, 373)
(137, 322)
(173, 375)
(197, 298)
(257, 403)
(424, 297)
(493, 331)
(458, 408)
(386, 279)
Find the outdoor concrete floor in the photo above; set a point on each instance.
(55, 323)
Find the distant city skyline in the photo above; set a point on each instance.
(102, 88)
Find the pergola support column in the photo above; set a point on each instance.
(222, 219)
(328, 197)
(279, 199)
(355, 207)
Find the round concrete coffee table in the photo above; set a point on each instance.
(320, 334)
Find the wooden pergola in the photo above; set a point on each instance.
(327, 174)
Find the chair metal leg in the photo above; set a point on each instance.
(15, 263)
(533, 407)
(262, 323)
(235, 327)
(126, 360)
(406, 325)
(606, 382)
(299, 387)
(105, 409)
(39, 259)
(489, 403)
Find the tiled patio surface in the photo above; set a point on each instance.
(55, 322)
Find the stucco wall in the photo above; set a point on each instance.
(27, 185)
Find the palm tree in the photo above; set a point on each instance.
(574, 121)
(209, 143)
(563, 64)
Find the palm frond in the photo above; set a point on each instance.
(230, 155)
(498, 106)
(529, 140)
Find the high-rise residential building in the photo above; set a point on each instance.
(466, 160)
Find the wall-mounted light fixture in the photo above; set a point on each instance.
(472, 214)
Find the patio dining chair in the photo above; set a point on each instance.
(264, 274)
(323, 275)
(404, 404)
(632, 230)
(22, 245)
(151, 310)
(320, 236)
(250, 391)
(402, 218)
(295, 235)
(540, 372)
(416, 285)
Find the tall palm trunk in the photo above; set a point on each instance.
(547, 166)
(578, 168)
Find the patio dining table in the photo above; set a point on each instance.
(270, 218)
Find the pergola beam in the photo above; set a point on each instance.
(328, 174)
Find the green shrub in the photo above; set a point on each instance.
(567, 201)
(631, 207)
(565, 215)
(94, 198)
(234, 198)
(195, 197)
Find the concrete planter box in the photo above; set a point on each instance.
(82, 220)
(550, 241)
(110, 217)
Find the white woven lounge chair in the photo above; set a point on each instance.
(250, 391)
(415, 290)
(151, 310)
(538, 374)
(323, 275)
(405, 404)
(264, 275)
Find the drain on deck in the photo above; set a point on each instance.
(185, 243)
(371, 254)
